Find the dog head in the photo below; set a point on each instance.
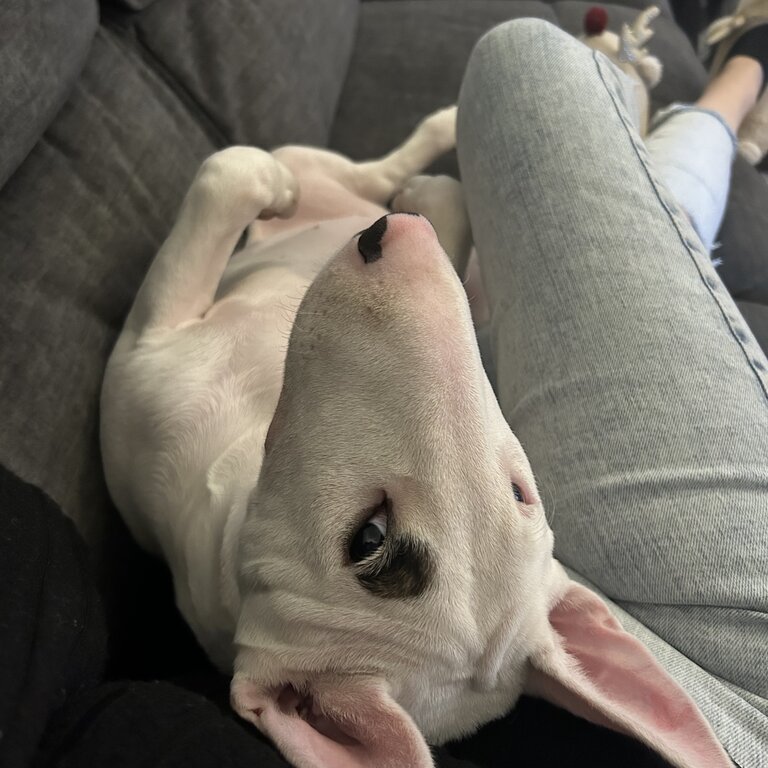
(396, 572)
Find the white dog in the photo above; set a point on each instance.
(353, 530)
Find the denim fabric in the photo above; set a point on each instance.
(624, 367)
(693, 151)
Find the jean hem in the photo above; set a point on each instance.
(674, 109)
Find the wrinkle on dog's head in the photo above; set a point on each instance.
(386, 411)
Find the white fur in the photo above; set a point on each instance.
(383, 389)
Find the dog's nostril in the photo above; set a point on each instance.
(369, 243)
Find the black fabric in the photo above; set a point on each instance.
(52, 632)
(132, 724)
(148, 638)
(753, 43)
(539, 734)
(535, 733)
(744, 252)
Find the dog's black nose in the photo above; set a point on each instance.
(369, 243)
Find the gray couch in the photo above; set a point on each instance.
(106, 112)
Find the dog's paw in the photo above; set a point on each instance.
(436, 197)
(285, 194)
(246, 183)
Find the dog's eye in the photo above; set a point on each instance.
(370, 537)
(518, 491)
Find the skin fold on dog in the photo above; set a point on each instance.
(304, 432)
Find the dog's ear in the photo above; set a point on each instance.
(334, 723)
(596, 670)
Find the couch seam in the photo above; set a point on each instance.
(165, 75)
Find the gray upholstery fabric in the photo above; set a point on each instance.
(263, 73)
(79, 222)
(43, 46)
(756, 316)
(744, 236)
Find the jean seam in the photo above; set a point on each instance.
(685, 242)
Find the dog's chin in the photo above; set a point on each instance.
(453, 713)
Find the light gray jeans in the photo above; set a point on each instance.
(622, 364)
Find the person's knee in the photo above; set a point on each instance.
(531, 52)
(536, 34)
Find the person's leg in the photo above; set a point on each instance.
(735, 90)
(692, 146)
(623, 365)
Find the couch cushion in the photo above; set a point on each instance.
(263, 73)
(79, 221)
(43, 47)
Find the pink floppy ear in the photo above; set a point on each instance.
(600, 672)
(352, 723)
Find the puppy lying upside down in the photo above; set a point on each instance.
(304, 431)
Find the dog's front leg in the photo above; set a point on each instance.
(232, 188)
(378, 180)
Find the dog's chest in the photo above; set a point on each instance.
(286, 261)
(221, 376)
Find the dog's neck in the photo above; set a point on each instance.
(204, 565)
